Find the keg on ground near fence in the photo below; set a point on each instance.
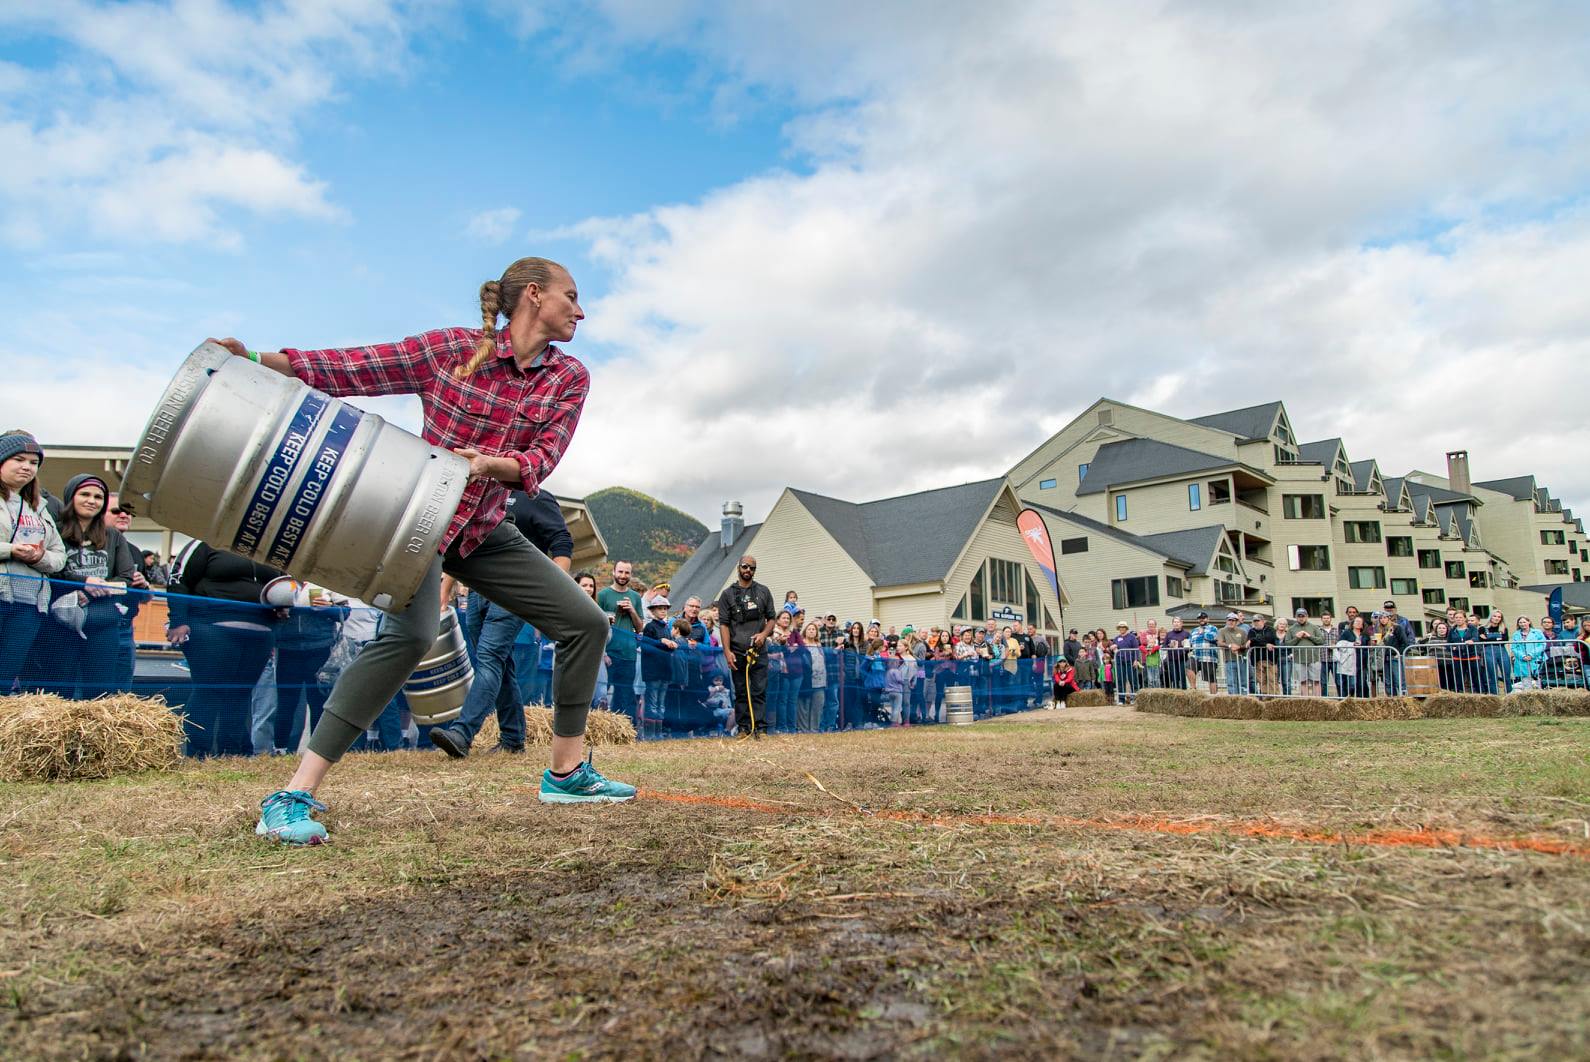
(958, 705)
(1421, 676)
(256, 463)
(438, 687)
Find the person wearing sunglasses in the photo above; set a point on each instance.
(746, 613)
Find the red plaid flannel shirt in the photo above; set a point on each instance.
(500, 410)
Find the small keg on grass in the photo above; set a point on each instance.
(258, 464)
(438, 687)
(958, 705)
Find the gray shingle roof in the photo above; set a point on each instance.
(1134, 460)
(1254, 422)
(1519, 488)
(1195, 546)
(1362, 471)
(910, 539)
(1115, 533)
(1322, 451)
(1574, 595)
(1440, 495)
(708, 570)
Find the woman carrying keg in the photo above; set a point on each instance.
(508, 400)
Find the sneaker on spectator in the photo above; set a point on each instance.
(585, 786)
(450, 741)
(285, 816)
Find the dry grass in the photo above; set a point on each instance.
(1196, 705)
(601, 728)
(453, 916)
(45, 738)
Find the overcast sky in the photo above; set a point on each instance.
(860, 249)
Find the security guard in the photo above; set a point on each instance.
(745, 619)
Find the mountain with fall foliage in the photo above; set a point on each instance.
(653, 536)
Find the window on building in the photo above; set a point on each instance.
(1399, 546)
(1434, 596)
(1455, 570)
(1308, 558)
(1174, 587)
(1034, 602)
(1552, 538)
(979, 599)
(1576, 577)
(1120, 508)
(1303, 506)
(1362, 530)
(960, 609)
(1556, 567)
(1195, 497)
(1004, 581)
(1046, 484)
(1404, 587)
(1225, 564)
(1366, 578)
(1429, 558)
(1219, 491)
(1481, 611)
(1073, 545)
(1459, 603)
(1134, 593)
(1082, 473)
(1315, 606)
(1283, 456)
(1479, 580)
(1228, 593)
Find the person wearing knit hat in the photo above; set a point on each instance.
(30, 550)
(78, 646)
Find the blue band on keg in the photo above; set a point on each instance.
(278, 470)
(433, 678)
(312, 490)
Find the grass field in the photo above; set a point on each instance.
(455, 917)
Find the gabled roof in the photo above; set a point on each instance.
(1254, 422)
(1363, 473)
(708, 569)
(1519, 488)
(1322, 451)
(1195, 546)
(1100, 528)
(915, 538)
(1396, 487)
(1440, 495)
(1134, 460)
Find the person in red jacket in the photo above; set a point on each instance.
(1065, 682)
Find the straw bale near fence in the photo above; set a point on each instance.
(1324, 709)
(1087, 699)
(45, 738)
(601, 728)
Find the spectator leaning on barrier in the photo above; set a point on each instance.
(626, 612)
(30, 551)
(1528, 648)
(1303, 642)
(1396, 636)
(1205, 643)
(1233, 641)
(656, 666)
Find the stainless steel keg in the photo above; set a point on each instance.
(438, 687)
(958, 705)
(255, 462)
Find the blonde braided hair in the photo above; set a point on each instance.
(501, 296)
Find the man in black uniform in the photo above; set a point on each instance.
(745, 619)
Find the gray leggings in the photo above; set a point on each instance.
(507, 570)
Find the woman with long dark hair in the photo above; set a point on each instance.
(77, 651)
(506, 400)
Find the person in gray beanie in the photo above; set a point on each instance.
(30, 551)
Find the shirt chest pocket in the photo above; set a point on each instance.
(481, 424)
(535, 413)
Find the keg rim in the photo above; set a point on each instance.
(175, 403)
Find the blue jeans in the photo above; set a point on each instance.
(19, 624)
(1393, 673)
(621, 674)
(830, 716)
(656, 699)
(1237, 676)
(491, 631)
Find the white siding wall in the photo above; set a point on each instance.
(793, 552)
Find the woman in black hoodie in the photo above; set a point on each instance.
(226, 632)
(76, 654)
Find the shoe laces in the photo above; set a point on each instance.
(293, 805)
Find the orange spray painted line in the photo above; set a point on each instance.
(1144, 824)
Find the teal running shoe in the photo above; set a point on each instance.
(285, 816)
(584, 786)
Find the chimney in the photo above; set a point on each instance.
(1457, 471)
(733, 523)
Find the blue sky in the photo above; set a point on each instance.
(812, 239)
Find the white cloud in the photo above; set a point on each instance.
(160, 119)
(1012, 211)
(493, 226)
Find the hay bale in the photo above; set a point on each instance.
(1235, 706)
(1189, 703)
(601, 728)
(1528, 702)
(1380, 708)
(1300, 709)
(45, 738)
(1087, 699)
(1569, 702)
(1461, 706)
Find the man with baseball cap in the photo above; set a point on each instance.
(1304, 641)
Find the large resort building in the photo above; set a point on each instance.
(1154, 517)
